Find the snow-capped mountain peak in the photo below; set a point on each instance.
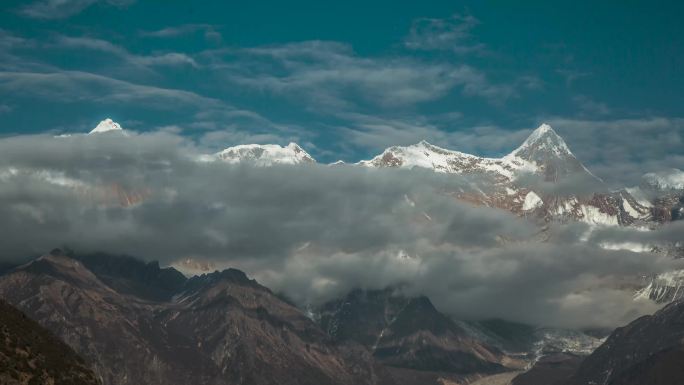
(265, 154)
(551, 156)
(106, 125)
(431, 157)
(543, 152)
(542, 141)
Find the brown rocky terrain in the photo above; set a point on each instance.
(220, 328)
(31, 355)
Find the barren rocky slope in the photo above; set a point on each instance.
(31, 355)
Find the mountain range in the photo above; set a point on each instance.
(525, 181)
(137, 322)
(134, 322)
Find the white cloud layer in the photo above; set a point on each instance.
(311, 232)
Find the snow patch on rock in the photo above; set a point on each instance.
(593, 215)
(532, 201)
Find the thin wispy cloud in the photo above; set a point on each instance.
(74, 86)
(209, 118)
(448, 34)
(61, 9)
(572, 75)
(331, 74)
(210, 32)
(93, 44)
(591, 107)
(377, 133)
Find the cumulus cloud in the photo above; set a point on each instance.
(311, 232)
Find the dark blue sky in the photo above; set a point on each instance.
(346, 79)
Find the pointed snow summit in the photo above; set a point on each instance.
(541, 144)
(265, 154)
(107, 125)
(550, 154)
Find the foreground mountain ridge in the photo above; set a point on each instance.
(137, 323)
(647, 351)
(220, 328)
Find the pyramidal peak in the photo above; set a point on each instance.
(552, 157)
(106, 125)
(543, 129)
(545, 132)
(544, 142)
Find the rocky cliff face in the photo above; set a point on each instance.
(220, 328)
(29, 354)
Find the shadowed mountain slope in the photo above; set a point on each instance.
(29, 354)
